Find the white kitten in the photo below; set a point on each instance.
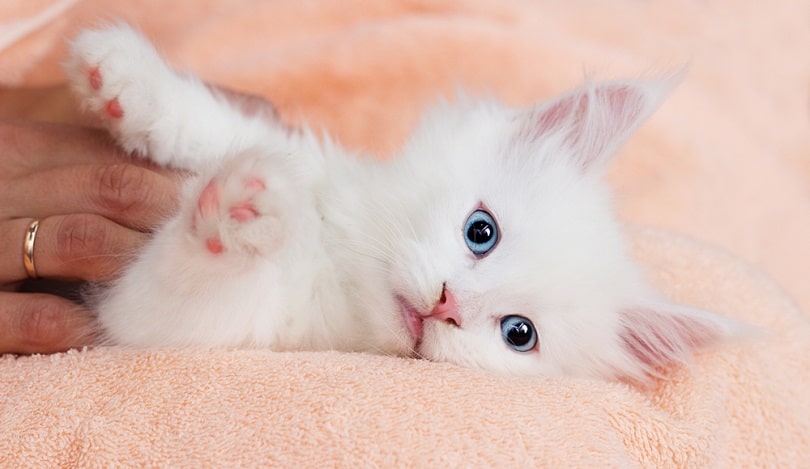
(489, 241)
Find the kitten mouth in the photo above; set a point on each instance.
(412, 319)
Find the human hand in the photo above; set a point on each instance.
(95, 208)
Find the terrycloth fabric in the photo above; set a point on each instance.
(725, 162)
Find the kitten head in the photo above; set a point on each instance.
(506, 254)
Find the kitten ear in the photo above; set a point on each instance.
(657, 334)
(591, 122)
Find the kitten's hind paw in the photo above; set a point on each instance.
(236, 212)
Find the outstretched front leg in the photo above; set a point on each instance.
(153, 111)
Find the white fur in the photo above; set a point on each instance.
(338, 237)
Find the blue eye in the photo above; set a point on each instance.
(518, 333)
(480, 232)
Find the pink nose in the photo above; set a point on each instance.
(446, 309)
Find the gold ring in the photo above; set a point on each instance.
(28, 249)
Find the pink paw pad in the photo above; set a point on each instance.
(209, 199)
(243, 212)
(113, 108)
(255, 184)
(94, 77)
(214, 245)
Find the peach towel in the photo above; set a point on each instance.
(716, 189)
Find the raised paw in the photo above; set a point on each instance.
(235, 211)
(120, 78)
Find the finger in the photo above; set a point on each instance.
(28, 147)
(47, 103)
(32, 146)
(131, 195)
(40, 323)
(69, 247)
(12, 245)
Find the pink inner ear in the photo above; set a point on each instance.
(625, 106)
(561, 113)
(593, 121)
(660, 338)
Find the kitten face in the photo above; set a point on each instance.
(544, 218)
(508, 256)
